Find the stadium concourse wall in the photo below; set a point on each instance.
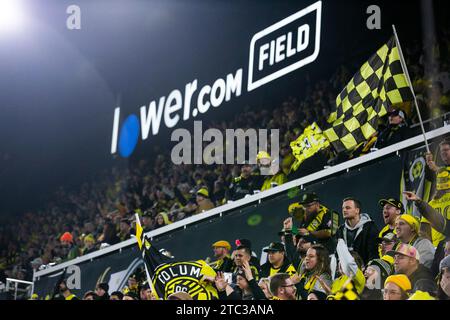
(258, 217)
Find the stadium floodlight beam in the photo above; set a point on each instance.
(11, 16)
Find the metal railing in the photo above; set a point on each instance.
(19, 288)
(445, 117)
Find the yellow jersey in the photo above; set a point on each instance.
(442, 205)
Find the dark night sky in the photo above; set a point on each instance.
(59, 87)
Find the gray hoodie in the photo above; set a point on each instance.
(426, 251)
(351, 233)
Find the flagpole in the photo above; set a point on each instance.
(405, 69)
(149, 279)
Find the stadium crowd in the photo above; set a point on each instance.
(316, 260)
(100, 213)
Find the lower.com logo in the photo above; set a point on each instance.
(170, 110)
(275, 51)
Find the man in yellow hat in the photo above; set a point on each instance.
(204, 203)
(407, 229)
(223, 262)
(274, 176)
(397, 287)
(89, 244)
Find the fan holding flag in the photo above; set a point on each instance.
(381, 84)
(167, 276)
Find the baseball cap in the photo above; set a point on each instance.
(274, 247)
(393, 202)
(308, 198)
(203, 192)
(397, 112)
(147, 213)
(388, 237)
(222, 243)
(406, 250)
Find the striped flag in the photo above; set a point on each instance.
(379, 85)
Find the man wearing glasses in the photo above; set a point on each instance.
(282, 287)
(406, 261)
(387, 243)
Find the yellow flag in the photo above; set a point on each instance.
(308, 144)
(139, 231)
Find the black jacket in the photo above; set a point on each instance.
(223, 265)
(365, 242)
(291, 251)
(392, 134)
(438, 256)
(421, 273)
(241, 186)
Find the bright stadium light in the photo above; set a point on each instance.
(11, 16)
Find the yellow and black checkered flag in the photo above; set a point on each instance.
(347, 292)
(378, 85)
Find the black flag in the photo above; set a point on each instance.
(169, 276)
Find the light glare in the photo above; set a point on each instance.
(11, 16)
